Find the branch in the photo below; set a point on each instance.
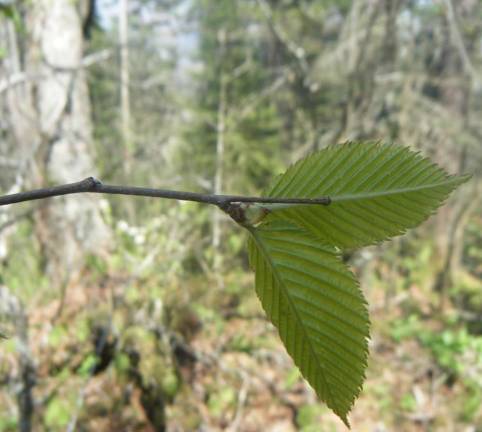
(85, 62)
(22, 77)
(297, 51)
(458, 41)
(90, 184)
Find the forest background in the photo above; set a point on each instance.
(139, 314)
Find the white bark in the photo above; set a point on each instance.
(124, 74)
(50, 118)
(219, 175)
(220, 143)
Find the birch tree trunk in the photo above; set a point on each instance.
(49, 114)
(124, 76)
(450, 219)
(220, 143)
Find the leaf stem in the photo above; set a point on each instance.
(92, 185)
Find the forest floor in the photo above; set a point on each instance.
(231, 371)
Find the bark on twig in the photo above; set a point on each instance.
(90, 184)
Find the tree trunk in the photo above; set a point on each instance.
(220, 138)
(449, 220)
(125, 96)
(49, 114)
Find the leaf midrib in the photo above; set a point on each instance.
(267, 257)
(365, 195)
(376, 194)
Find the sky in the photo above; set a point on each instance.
(170, 28)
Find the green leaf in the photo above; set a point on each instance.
(318, 308)
(377, 191)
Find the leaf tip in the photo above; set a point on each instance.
(464, 178)
(344, 419)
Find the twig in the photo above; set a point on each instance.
(90, 184)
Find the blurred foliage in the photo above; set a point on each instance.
(149, 334)
(457, 353)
